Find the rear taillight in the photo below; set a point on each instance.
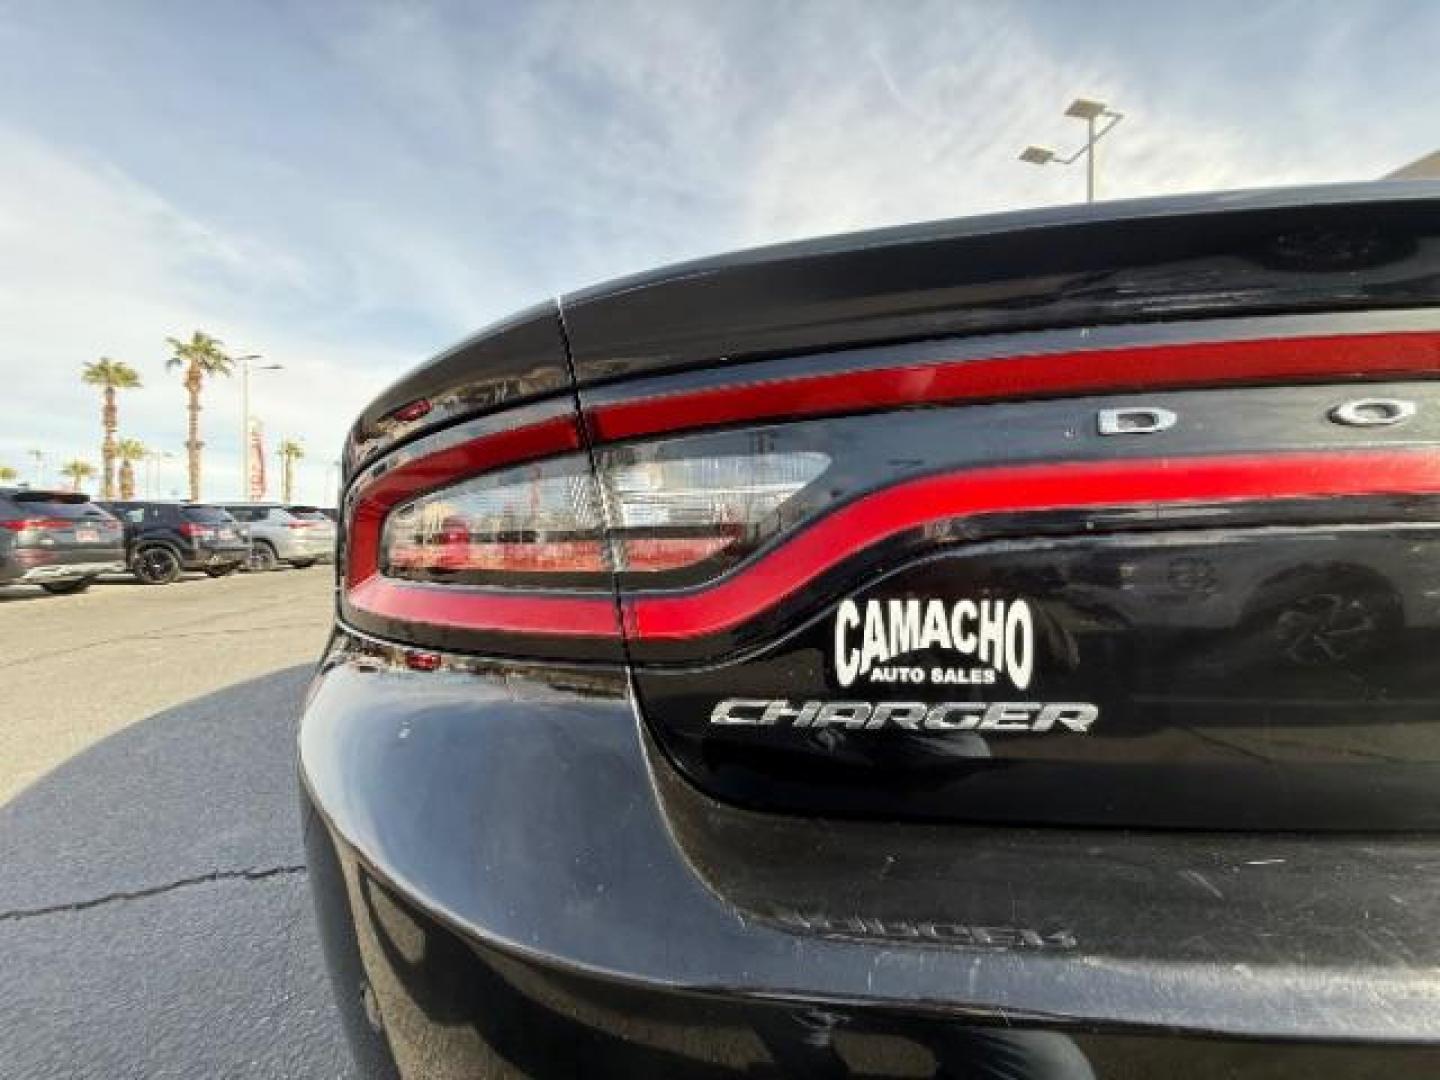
(194, 531)
(300, 524)
(537, 519)
(666, 514)
(36, 524)
(549, 518)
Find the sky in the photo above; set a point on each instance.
(347, 188)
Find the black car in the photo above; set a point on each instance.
(59, 540)
(163, 539)
(1000, 647)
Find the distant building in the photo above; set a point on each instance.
(1426, 168)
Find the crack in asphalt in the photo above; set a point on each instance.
(247, 874)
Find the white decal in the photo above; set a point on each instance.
(997, 635)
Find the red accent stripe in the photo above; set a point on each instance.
(1142, 367)
(1077, 485)
(472, 609)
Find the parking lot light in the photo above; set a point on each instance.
(1091, 112)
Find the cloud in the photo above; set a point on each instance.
(94, 264)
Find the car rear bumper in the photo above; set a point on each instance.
(306, 553)
(511, 880)
(37, 567)
(230, 555)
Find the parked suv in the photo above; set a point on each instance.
(323, 523)
(58, 540)
(164, 538)
(277, 535)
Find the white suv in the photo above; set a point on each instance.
(278, 536)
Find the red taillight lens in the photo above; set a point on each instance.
(665, 510)
(547, 518)
(300, 524)
(423, 661)
(660, 553)
(414, 411)
(36, 524)
(529, 551)
(537, 519)
(194, 531)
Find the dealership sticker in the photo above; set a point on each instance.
(983, 641)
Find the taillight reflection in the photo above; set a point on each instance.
(550, 518)
(541, 518)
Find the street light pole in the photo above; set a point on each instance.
(245, 369)
(1090, 112)
(1090, 160)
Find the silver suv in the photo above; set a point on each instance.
(278, 536)
(322, 522)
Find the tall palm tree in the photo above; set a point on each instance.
(9, 473)
(77, 471)
(290, 452)
(199, 358)
(128, 451)
(110, 376)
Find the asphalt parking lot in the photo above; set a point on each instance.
(154, 917)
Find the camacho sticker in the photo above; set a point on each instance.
(993, 639)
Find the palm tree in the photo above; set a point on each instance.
(77, 471)
(110, 376)
(290, 452)
(8, 473)
(128, 451)
(200, 358)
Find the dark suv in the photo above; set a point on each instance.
(58, 540)
(164, 538)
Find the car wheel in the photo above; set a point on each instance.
(221, 571)
(156, 566)
(62, 587)
(302, 564)
(262, 557)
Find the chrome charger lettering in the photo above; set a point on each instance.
(1018, 717)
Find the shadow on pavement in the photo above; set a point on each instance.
(154, 917)
(10, 594)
